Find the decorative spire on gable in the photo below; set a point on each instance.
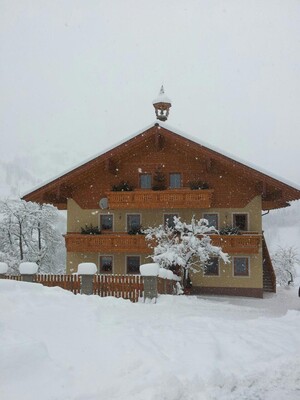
(162, 105)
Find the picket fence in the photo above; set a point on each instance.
(125, 286)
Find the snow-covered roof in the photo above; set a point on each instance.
(229, 155)
(180, 133)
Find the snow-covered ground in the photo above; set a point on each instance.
(58, 346)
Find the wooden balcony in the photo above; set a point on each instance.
(124, 243)
(107, 243)
(241, 244)
(152, 199)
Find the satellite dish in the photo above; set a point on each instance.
(103, 203)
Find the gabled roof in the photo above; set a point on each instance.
(291, 191)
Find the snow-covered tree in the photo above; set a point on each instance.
(28, 232)
(284, 261)
(183, 245)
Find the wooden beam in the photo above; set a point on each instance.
(208, 165)
(159, 141)
(110, 166)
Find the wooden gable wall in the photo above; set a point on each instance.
(234, 184)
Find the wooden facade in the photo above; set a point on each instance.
(229, 188)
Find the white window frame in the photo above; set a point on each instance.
(249, 266)
(99, 264)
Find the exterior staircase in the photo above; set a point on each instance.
(269, 277)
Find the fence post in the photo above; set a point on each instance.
(87, 272)
(28, 270)
(3, 269)
(150, 273)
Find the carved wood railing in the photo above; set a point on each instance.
(110, 242)
(124, 243)
(242, 244)
(152, 199)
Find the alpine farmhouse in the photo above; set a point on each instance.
(153, 176)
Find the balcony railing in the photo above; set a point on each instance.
(109, 243)
(242, 244)
(151, 199)
(124, 243)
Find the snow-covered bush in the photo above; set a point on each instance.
(284, 261)
(184, 245)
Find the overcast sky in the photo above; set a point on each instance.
(79, 76)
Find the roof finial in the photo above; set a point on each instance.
(162, 105)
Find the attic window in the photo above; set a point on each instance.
(175, 180)
(145, 181)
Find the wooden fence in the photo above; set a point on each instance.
(67, 282)
(166, 286)
(125, 286)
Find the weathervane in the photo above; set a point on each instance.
(162, 105)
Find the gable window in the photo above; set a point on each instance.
(175, 180)
(106, 264)
(106, 222)
(133, 264)
(241, 266)
(145, 181)
(169, 220)
(212, 219)
(240, 221)
(133, 223)
(211, 268)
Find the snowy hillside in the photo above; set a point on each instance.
(55, 345)
(282, 227)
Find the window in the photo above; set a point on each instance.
(169, 220)
(175, 181)
(145, 181)
(212, 220)
(241, 266)
(106, 222)
(133, 264)
(212, 267)
(106, 264)
(240, 221)
(133, 223)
